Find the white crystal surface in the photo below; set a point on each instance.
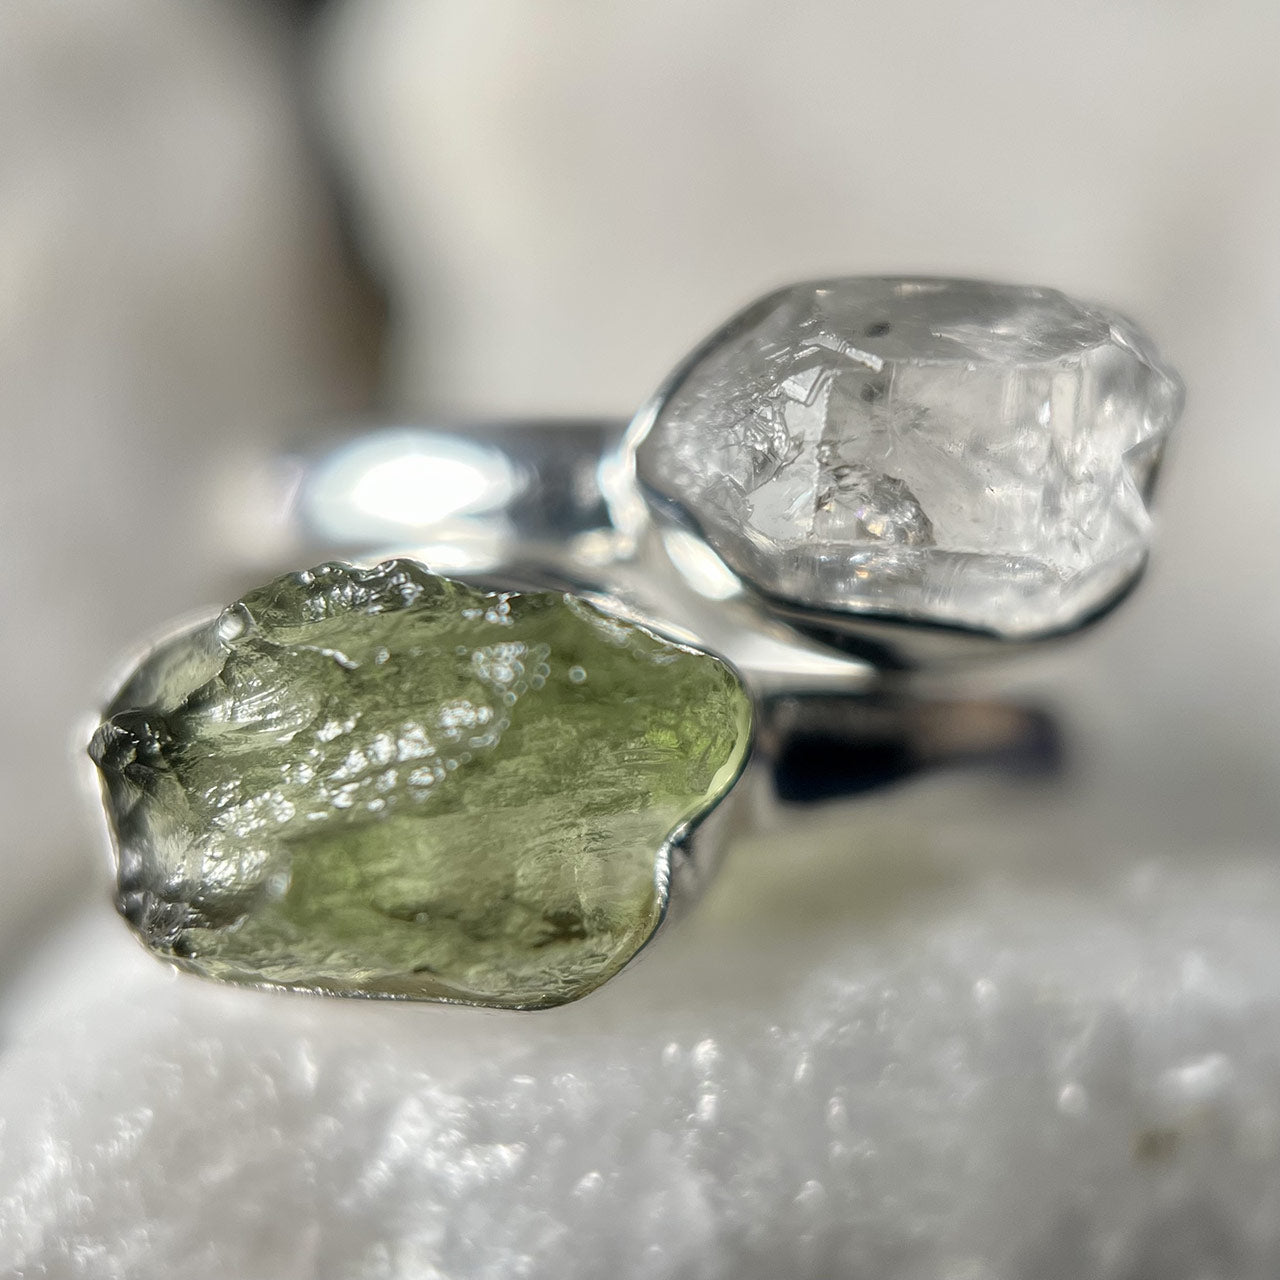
(961, 452)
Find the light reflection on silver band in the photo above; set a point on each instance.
(482, 495)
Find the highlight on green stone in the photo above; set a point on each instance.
(383, 782)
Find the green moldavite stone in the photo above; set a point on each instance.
(383, 782)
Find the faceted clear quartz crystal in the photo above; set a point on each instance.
(384, 782)
(950, 451)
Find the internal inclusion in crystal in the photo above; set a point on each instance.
(964, 453)
(384, 782)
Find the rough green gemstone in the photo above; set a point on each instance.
(384, 782)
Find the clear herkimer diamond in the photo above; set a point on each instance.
(948, 451)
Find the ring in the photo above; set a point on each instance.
(493, 781)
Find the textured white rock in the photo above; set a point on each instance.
(950, 450)
(933, 1059)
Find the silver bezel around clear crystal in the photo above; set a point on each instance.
(888, 625)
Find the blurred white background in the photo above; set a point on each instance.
(976, 1034)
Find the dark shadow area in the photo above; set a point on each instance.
(828, 747)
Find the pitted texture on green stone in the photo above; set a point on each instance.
(385, 782)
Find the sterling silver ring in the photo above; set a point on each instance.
(494, 780)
